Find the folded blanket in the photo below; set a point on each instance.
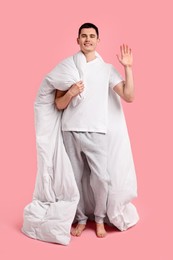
(51, 213)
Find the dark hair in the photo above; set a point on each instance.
(88, 25)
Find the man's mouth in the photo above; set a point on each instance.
(87, 44)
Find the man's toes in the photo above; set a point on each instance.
(78, 233)
(101, 234)
(73, 232)
(78, 230)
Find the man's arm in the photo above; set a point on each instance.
(125, 89)
(63, 98)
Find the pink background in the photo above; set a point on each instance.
(35, 36)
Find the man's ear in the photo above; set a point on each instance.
(77, 40)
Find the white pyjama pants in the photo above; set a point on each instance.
(94, 147)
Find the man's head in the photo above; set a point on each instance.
(88, 37)
(88, 26)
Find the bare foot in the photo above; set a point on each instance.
(100, 230)
(77, 231)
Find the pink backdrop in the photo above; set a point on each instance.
(35, 35)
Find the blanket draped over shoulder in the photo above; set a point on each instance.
(52, 211)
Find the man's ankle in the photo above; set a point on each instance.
(99, 220)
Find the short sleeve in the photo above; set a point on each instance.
(115, 77)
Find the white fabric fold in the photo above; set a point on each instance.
(51, 213)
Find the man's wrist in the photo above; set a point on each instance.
(128, 66)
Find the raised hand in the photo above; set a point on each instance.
(125, 58)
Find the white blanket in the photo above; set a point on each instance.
(51, 213)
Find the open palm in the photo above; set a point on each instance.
(125, 58)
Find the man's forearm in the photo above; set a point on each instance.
(129, 84)
(63, 101)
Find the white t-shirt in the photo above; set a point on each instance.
(90, 115)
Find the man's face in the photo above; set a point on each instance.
(87, 40)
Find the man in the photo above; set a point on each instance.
(84, 160)
(84, 126)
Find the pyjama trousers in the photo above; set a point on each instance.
(94, 147)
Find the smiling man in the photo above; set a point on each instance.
(85, 167)
(88, 39)
(85, 126)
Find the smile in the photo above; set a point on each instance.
(87, 44)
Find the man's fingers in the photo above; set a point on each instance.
(80, 82)
(125, 49)
(80, 86)
(122, 50)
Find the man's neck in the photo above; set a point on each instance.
(90, 56)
